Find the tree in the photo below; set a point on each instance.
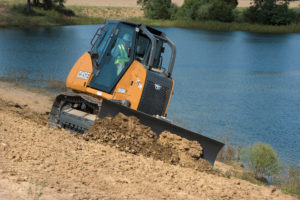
(262, 160)
(220, 10)
(28, 9)
(269, 12)
(36, 2)
(157, 9)
(194, 9)
(47, 4)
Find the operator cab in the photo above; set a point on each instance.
(118, 43)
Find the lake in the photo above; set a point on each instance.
(238, 86)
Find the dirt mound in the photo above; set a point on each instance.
(127, 134)
(41, 162)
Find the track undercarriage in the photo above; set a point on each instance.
(75, 112)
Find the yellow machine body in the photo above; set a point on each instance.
(130, 87)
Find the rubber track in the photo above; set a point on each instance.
(64, 98)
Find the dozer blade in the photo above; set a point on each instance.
(210, 147)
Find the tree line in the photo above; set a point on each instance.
(46, 4)
(270, 12)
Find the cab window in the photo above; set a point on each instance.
(116, 59)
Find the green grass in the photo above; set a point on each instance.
(249, 177)
(243, 175)
(36, 187)
(290, 183)
(17, 17)
(291, 189)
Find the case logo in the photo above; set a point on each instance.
(157, 87)
(83, 75)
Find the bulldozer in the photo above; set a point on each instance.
(124, 72)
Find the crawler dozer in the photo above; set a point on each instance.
(124, 72)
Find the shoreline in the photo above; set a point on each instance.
(199, 25)
(12, 16)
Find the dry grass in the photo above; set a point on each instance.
(11, 2)
(107, 12)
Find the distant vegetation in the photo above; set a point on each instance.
(57, 5)
(261, 12)
(220, 15)
(33, 13)
(218, 10)
(270, 12)
(158, 9)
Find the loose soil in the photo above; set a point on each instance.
(123, 161)
(127, 134)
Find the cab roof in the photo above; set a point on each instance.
(151, 29)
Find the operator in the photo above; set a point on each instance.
(122, 47)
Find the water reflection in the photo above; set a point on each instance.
(265, 73)
(47, 51)
(265, 38)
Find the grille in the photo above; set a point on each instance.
(154, 99)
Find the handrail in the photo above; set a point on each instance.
(153, 45)
(173, 55)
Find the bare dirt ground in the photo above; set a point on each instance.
(110, 13)
(3, 11)
(40, 162)
(247, 3)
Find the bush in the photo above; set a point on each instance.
(64, 11)
(262, 160)
(291, 183)
(203, 12)
(57, 5)
(191, 9)
(173, 11)
(157, 9)
(219, 10)
(281, 15)
(268, 12)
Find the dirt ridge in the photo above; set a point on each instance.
(41, 162)
(129, 135)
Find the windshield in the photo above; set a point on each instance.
(115, 55)
(103, 40)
